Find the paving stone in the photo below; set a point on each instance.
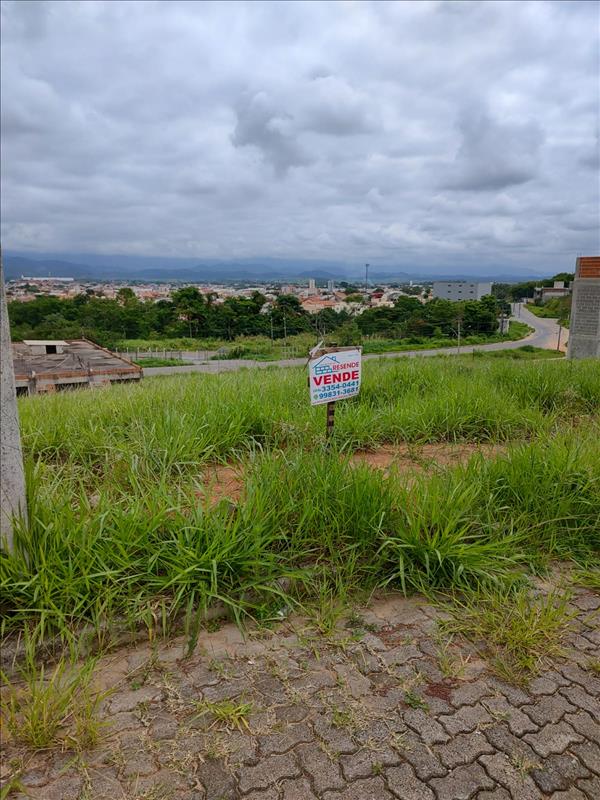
(570, 794)
(271, 687)
(243, 748)
(163, 784)
(370, 789)
(589, 754)
(593, 634)
(323, 772)
(358, 685)
(405, 785)
(289, 737)
(268, 771)
(430, 731)
(587, 602)
(585, 724)
(338, 739)
(138, 764)
(298, 789)
(315, 680)
(558, 773)
(580, 643)
(590, 787)
(467, 694)
(372, 642)
(518, 722)
(130, 700)
(103, 783)
(463, 749)
(164, 726)
(498, 793)
(226, 690)
(466, 719)
(65, 788)
(583, 677)
(500, 737)
(549, 708)
(553, 739)
(263, 794)
(426, 764)
(499, 767)
(401, 655)
(363, 763)
(34, 777)
(580, 698)
(514, 695)
(291, 713)
(122, 722)
(548, 683)
(462, 783)
(200, 675)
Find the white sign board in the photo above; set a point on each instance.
(334, 376)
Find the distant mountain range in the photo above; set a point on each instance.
(152, 268)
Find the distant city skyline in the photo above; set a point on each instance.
(460, 137)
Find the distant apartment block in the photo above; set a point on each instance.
(461, 290)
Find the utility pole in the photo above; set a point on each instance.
(559, 332)
(366, 279)
(13, 500)
(458, 349)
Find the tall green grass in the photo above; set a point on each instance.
(173, 424)
(149, 546)
(119, 525)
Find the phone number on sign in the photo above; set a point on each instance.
(349, 389)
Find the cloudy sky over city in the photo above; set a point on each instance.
(425, 133)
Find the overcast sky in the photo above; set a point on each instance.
(426, 133)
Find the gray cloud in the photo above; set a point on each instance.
(494, 155)
(272, 132)
(415, 133)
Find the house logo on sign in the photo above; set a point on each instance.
(321, 368)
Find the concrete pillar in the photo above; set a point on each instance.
(584, 327)
(12, 477)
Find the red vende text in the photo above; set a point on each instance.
(340, 377)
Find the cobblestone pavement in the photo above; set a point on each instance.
(363, 714)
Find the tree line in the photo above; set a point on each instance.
(190, 313)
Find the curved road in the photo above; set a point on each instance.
(545, 334)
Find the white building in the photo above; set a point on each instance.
(461, 290)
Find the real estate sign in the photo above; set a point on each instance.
(334, 375)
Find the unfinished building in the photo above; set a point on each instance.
(58, 365)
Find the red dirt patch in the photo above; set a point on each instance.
(421, 457)
(392, 634)
(222, 481)
(441, 690)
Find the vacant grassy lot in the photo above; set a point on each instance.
(122, 522)
(262, 348)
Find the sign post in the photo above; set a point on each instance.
(334, 373)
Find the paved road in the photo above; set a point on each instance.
(363, 713)
(545, 335)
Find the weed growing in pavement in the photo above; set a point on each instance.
(451, 661)
(514, 629)
(414, 700)
(593, 665)
(229, 712)
(58, 708)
